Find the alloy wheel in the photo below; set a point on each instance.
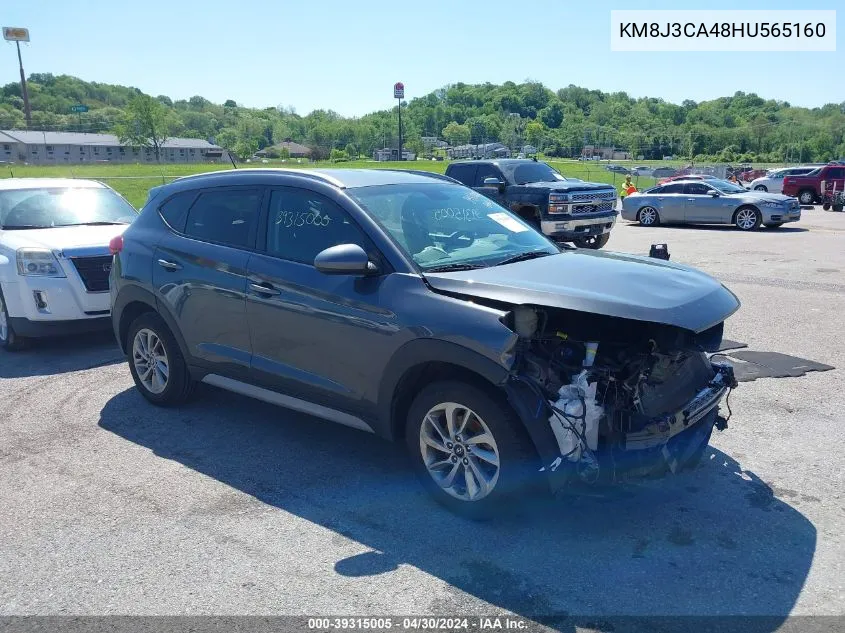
(746, 219)
(459, 451)
(648, 216)
(760, 188)
(806, 197)
(150, 360)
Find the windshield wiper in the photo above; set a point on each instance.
(524, 257)
(17, 227)
(447, 268)
(91, 224)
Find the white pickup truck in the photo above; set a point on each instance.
(54, 256)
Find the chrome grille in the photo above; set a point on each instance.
(594, 195)
(592, 208)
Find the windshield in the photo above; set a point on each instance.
(726, 187)
(62, 206)
(444, 225)
(534, 172)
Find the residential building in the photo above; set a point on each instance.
(53, 148)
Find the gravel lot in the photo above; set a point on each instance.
(230, 506)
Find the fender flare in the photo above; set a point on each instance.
(132, 294)
(424, 350)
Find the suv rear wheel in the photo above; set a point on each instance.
(468, 449)
(156, 362)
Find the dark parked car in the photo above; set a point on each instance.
(417, 309)
(564, 209)
(664, 172)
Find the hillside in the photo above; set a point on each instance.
(739, 127)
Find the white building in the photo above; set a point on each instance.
(392, 154)
(54, 148)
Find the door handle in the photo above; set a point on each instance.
(264, 290)
(171, 266)
(690, 199)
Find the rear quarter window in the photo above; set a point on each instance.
(174, 210)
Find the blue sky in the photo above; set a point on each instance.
(346, 55)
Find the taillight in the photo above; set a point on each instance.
(116, 245)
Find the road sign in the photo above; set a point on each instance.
(398, 90)
(79, 108)
(15, 34)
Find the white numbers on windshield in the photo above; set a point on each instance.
(467, 215)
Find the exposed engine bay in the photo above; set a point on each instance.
(623, 398)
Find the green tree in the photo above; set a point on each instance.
(245, 148)
(144, 124)
(456, 134)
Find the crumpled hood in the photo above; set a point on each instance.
(612, 284)
(63, 238)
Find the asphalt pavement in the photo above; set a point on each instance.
(231, 506)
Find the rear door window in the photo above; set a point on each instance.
(463, 173)
(225, 216)
(837, 173)
(673, 188)
(696, 189)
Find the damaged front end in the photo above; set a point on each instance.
(606, 399)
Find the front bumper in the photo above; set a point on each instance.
(666, 442)
(788, 214)
(38, 329)
(567, 228)
(48, 299)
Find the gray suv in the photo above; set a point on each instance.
(409, 306)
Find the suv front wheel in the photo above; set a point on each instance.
(156, 362)
(469, 449)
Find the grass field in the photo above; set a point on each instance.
(135, 180)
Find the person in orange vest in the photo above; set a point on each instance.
(628, 187)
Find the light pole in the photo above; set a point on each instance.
(18, 35)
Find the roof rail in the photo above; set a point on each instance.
(422, 172)
(308, 173)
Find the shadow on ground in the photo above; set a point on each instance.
(50, 356)
(721, 227)
(714, 541)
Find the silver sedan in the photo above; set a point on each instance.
(709, 202)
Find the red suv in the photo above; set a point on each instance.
(811, 188)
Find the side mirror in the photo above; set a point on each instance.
(493, 182)
(344, 259)
(714, 193)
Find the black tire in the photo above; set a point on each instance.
(806, 196)
(641, 216)
(826, 206)
(837, 207)
(11, 342)
(761, 188)
(758, 218)
(774, 225)
(596, 242)
(518, 463)
(179, 386)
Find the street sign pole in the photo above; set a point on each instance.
(26, 110)
(399, 94)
